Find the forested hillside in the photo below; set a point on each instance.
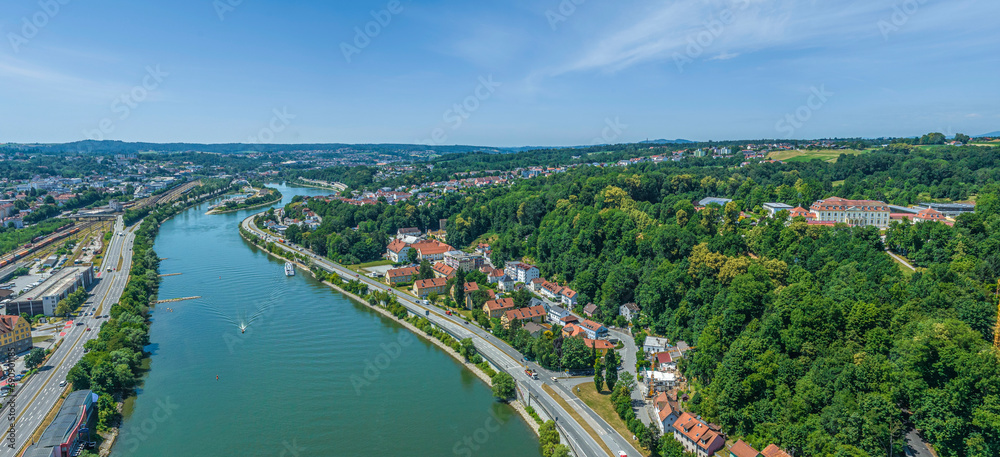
(807, 336)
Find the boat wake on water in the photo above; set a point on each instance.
(243, 317)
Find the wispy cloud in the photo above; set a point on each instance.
(725, 56)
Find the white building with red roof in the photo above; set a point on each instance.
(852, 212)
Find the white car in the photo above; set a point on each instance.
(62, 384)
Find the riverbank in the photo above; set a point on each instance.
(476, 370)
(272, 196)
(300, 182)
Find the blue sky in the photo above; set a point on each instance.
(540, 72)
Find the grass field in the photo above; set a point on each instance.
(601, 404)
(805, 155)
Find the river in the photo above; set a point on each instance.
(315, 373)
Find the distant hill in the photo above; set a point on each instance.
(121, 147)
(991, 134)
(677, 141)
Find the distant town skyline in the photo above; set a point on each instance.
(506, 74)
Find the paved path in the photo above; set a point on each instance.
(900, 260)
(491, 348)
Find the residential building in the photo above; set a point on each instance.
(800, 211)
(408, 231)
(506, 283)
(15, 334)
(44, 298)
(772, 450)
(629, 311)
(742, 449)
(667, 413)
(571, 330)
(443, 271)
(555, 315)
(663, 361)
(424, 287)
(568, 296)
(772, 209)
(401, 275)
(497, 308)
(530, 314)
(696, 437)
(601, 346)
(653, 345)
(853, 212)
(469, 288)
(462, 261)
(590, 309)
(521, 272)
(593, 329)
(534, 329)
(431, 250)
(398, 251)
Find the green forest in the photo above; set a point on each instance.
(810, 337)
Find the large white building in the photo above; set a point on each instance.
(853, 212)
(521, 272)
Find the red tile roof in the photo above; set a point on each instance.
(471, 287)
(526, 313)
(444, 269)
(396, 245)
(433, 282)
(501, 304)
(772, 450)
(431, 247)
(840, 204)
(742, 449)
(695, 430)
(398, 272)
(598, 344)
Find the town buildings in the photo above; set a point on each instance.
(529, 314)
(424, 287)
(496, 308)
(521, 272)
(400, 275)
(696, 436)
(15, 334)
(45, 298)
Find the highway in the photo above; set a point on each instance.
(35, 398)
(497, 352)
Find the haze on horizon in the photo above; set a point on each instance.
(543, 73)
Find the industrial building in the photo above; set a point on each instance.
(70, 430)
(44, 298)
